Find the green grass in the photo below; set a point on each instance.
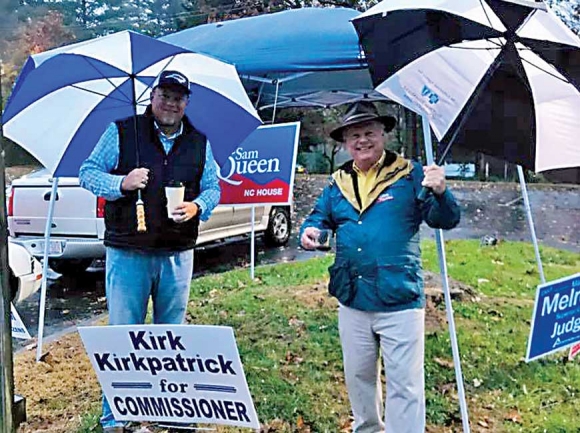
(493, 336)
(286, 330)
(289, 345)
(509, 268)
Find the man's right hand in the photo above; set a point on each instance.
(309, 238)
(136, 179)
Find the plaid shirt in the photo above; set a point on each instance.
(95, 173)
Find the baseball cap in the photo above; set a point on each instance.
(173, 79)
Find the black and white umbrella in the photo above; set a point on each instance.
(497, 76)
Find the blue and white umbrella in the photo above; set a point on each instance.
(64, 98)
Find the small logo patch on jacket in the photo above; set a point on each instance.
(384, 197)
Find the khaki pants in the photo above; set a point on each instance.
(400, 336)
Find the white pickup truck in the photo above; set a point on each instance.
(78, 226)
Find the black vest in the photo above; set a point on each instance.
(184, 163)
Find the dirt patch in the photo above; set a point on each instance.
(316, 296)
(58, 390)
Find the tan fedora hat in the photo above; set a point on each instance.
(359, 112)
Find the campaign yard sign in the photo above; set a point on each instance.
(171, 373)
(261, 169)
(574, 350)
(18, 328)
(556, 318)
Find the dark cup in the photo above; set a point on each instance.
(324, 240)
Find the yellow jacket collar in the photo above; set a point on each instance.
(393, 168)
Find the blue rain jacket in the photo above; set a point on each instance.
(378, 256)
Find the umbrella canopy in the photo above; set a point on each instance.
(64, 99)
(294, 58)
(500, 77)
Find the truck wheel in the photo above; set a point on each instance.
(279, 225)
(70, 266)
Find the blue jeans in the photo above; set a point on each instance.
(132, 277)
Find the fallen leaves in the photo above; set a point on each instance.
(47, 358)
(482, 423)
(301, 426)
(292, 358)
(444, 363)
(513, 416)
(68, 386)
(296, 323)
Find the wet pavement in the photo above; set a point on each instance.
(496, 209)
(487, 209)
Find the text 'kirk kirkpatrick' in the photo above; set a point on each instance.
(141, 340)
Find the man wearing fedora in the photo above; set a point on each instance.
(372, 207)
(146, 154)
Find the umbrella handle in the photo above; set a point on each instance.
(424, 193)
(141, 227)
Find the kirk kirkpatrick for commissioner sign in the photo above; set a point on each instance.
(171, 373)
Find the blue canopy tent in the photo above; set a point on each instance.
(307, 57)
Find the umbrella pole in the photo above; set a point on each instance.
(140, 206)
(448, 306)
(47, 230)
(531, 222)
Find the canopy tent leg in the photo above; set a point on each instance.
(253, 243)
(257, 104)
(275, 101)
(448, 306)
(47, 231)
(253, 235)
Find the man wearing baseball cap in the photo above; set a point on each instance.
(372, 206)
(145, 154)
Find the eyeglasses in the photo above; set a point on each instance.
(175, 98)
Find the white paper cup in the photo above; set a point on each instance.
(175, 195)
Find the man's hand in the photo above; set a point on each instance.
(136, 179)
(185, 211)
(434, 178)
(309, 238)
